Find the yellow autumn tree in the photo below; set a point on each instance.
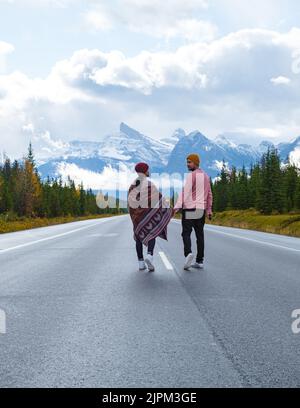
(31, 187)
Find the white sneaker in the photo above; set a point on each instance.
(149, 263)
(198, 265)
(188, 261)
(142, 265)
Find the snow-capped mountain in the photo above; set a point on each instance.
(175, 137)
(213, 152)
(291, 151)
(128, 146)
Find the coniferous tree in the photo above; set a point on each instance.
(290, 185)
(254, 187)
(242, 188)
(221, 189)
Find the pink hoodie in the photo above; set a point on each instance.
(196, 192)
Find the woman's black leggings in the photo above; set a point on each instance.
(139, 248)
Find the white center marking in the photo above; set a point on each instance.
(2, 322)
(166, 261)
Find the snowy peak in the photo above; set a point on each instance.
(222, 140)
(179, 134)
(128, 131)
(265, 145)
(197, 137)
(175, 137)
(297, 141)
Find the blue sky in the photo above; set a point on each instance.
(74, 69)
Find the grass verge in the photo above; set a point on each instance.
(29, 223)
(283, 224)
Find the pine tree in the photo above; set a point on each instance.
(254, 187)
(297, 193)
(290, 184)
(30, 155)
(232, 189)
(242, 187)
(265, 203)
(276, 182)
(221, 190)
(82, 200)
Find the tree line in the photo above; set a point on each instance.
(24, 194)
(269, 186)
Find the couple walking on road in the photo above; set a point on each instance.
(150, 213)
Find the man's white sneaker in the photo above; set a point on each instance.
(142, 265)
(198, 265)
(188, 261)
(149, 263)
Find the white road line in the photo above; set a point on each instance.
(252, 240)
(166, 261)
(53, 236)
(255, 240)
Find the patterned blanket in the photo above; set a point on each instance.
(151, 218)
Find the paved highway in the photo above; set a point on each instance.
(80, 314)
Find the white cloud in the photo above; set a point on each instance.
(168, 19)
(268, 14)
(112, 179)
(98, 20)
(142, 73)
(267, 133)
(108, 179)
(281, 80)
(5, 49)
(41, 3)
(92, 91)
(44, 144)
(295, 157)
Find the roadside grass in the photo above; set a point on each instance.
(283, 224)
(12, 224)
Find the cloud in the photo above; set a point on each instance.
(168, 19)
(281, 80)
(112, 179)
(43, 142)
(208, 68)
(5, 49)
(41, 3)
(295, 157)
(98, 20)
(107, 180)
(93, 69)
(199, 85)
(267, 14)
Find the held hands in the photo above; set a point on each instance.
(175, 211)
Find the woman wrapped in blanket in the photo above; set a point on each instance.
(150, 214)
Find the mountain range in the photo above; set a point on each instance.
(129, 146)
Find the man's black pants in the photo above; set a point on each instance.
(187, 227)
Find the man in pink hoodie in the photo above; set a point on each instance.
(195, 201)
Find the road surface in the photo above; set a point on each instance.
(80, 314)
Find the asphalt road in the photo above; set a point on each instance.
(80, 314)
